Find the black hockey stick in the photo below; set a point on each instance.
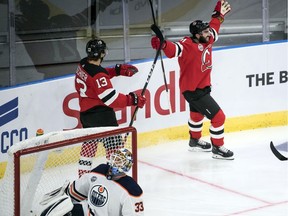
(277, 153)
(157, 31)
(162, 64)
(152, 10)
(159, 34)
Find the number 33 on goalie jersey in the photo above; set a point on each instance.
(122, 197)
(93, 84)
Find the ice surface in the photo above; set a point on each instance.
(179, 182)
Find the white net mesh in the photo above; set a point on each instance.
(43, 171)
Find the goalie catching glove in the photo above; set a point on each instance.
(135, 99)
(221, 9)
(125, 70)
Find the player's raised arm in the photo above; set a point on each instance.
(221, 9)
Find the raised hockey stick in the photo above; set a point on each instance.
(157, 31)
(277, 153)
(152, 10)
(162, 64)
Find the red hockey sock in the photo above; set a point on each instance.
(217, 128)
(88, 151)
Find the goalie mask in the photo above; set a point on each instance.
(96, 49)
(120, 161)
(197, 26)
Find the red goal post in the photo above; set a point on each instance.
(39, 165)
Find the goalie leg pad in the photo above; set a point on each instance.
(58, 207)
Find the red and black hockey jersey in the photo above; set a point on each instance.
(93, 84)
(195, 59)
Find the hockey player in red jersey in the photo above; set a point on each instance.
(195, 60)
(98, 97)
(105, 191)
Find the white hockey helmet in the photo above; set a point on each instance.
(121, 161)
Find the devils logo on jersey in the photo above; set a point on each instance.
(98, 195)
(206, 59)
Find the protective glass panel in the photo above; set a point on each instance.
(50, 35)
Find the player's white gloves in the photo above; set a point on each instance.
(57, 202)
(221, 9)
(59, 206)
(55, 193)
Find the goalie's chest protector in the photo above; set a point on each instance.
(108, 197)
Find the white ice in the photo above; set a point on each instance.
(179, 182)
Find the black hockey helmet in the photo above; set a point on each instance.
(96, 47)
(197, 26)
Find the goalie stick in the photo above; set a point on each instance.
(277, 153)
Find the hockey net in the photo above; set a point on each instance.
(43, 163)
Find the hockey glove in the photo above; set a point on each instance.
(155, 43)
(55, 193)
(59, 206)
(135, 99)
(221, 9)
(125, 70)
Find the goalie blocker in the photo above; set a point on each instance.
(58, 203)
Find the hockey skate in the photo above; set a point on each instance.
(199, 145)
(220, 152)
